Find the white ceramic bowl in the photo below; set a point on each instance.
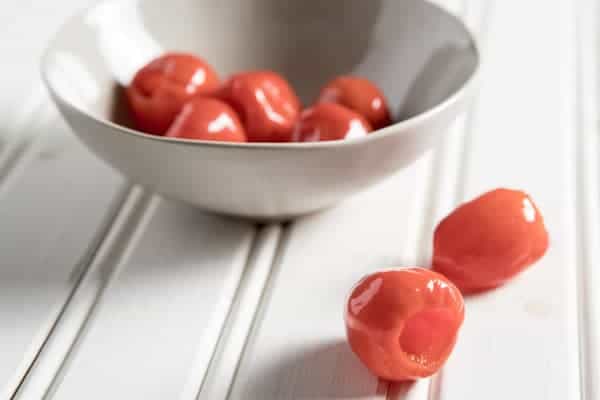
(423, 58)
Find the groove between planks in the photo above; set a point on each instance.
(479, 15)
(112, 249)
(53, 360)
(36, 99)
(245, 313)
(256, 270)
(444, 189)
(30, 131)
(35, 113)
(78, 274)
(478, 179)
(587, 193)
(43, 368)
(453, 175)
(21, 142)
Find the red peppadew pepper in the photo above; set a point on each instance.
(329, 121)
(490, 239)
(360, 95)
(161, 88)
(403, 324)
(207, 119)
(266, 103)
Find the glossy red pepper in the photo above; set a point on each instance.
(487, 241)
(161, 88)
(403, 324)
(205, 118)
(265, 102)
(330, 121)
(360, 95)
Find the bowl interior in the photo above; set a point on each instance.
(416, 52)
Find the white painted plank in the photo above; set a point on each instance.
(122, 232)
(25, 28)
(431, 179)
(519, 340)
(588, 195)
(51, 212)
(439, 181)
(224, 365)
(51, 209)
(18, 132)
(417, 390)
(152, 332)
(297, 348)
(453, 6)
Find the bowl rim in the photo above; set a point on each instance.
(396, 128)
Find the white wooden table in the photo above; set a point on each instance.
(109, 292)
